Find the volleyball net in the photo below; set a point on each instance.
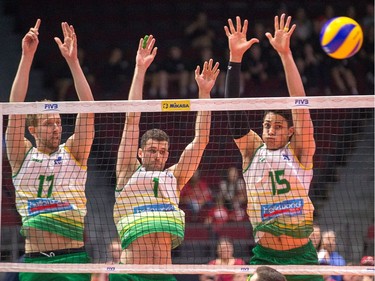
(213, 201)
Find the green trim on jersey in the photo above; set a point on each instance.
(55, 223)
(24, 158)
(252, 158)
(276, 228)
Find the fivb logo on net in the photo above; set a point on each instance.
(51, 107)
(301, 102)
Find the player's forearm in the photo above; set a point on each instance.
(292, 76)
(21, 80)
(80, 82)
(237, 120)
(136, 88)
(203, 127)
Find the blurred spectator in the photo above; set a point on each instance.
(63, 81)
(367, 261)
(366, 56)
(343, 76)
(196, 197)
(257, 65)
(239, 211)
(217, 216)
(368, 243)
(316, 237)
(305, 27)
(233, 186)
(199, 34)
(327, 253)
(173, 69)
(115, 72)
(225, 256)
(269, 58)
(310, 67)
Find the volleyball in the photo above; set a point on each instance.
(341, 37)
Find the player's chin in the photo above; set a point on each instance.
(155, 168)
(55, 144)
(272, 145)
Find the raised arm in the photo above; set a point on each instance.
(302, 142)
(127, 161)
(246, 140)
(80, 142)
(191, 156)
(17, 144)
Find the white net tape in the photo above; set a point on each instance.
(185, 269)
(189, 105)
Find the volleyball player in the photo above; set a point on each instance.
(277, 167)
(146, 211)
(50, 178)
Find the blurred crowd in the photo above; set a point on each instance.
(188, 33)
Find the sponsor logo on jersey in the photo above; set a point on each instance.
(292, 207)
(262, 159)
(46, 205)
(37, 160)
(154, 208)
(286, 157)
(58, 161)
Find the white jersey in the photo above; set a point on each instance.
(147, 191)
(148, 203)
(50, 190)
(277, 190)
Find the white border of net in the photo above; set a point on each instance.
(184, 269)
(319, 102)
(189, 105)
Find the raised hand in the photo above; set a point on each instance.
(238, 44)
(207, 78)
(30, 41)
(280, 41)
(146, 52)
(68, 48)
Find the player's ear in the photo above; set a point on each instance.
(31, 130)
(140, 152)
(290, 131)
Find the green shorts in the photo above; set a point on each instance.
(68, 258)
(141, 277)
(305, 255)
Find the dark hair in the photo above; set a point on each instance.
(286, 114)
(266, 273)
(155, 134)
(224, 239)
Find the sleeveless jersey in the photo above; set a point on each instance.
(50, 193)
(277, 190)
(150, 199)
